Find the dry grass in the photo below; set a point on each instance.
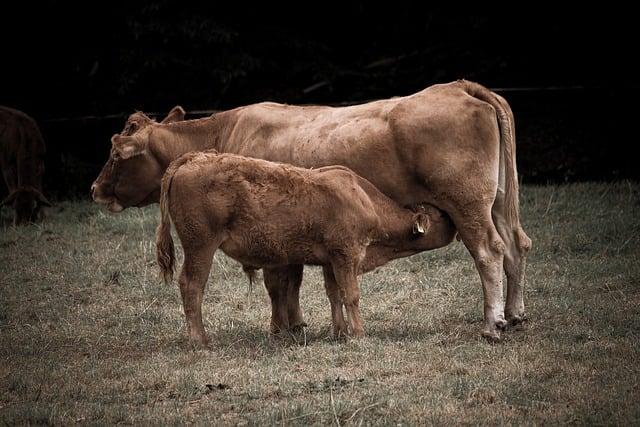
(89, 335)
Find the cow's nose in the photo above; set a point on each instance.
(93, 191)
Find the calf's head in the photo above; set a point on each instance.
(132, 174)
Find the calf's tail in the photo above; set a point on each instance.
(165, 251)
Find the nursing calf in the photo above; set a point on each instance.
(269, 215)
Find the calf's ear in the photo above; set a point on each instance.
(421, 223)
(128, 146)
(175, 115)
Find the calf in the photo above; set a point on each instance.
(267, 215)
(22, 163)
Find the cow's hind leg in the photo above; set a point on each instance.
(276, 280)
(487, 249)
(192, 281)
(338, 325)
(514, 266)
(517, 246)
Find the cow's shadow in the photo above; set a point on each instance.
(252, 338)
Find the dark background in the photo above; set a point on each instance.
(570, 77)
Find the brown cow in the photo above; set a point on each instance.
(450, 145)
(22, 162)
(266, 215)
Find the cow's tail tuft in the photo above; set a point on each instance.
(507, 146)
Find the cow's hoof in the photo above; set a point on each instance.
(516, 321)
(492, 336)
(492, 330)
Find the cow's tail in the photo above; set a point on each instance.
(165, 251)
(507, 147)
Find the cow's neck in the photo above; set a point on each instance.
(176, 139)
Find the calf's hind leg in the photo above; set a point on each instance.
(192, 281)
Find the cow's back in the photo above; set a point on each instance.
(400, 136)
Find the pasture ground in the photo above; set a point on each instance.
(89, 335)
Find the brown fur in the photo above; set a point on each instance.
(269, 215)
(450, 145)
(22, 152)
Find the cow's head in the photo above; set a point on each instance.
(132, 174)
(26, 202)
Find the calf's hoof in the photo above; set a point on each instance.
(277, 329)
(357, 333)
(297, 328)
(340, 333)
(200, 342)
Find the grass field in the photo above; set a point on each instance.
(88, 334)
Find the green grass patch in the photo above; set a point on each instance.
(88, 334)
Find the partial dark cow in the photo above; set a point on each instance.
(22, 163)
(267, 215)
(450, 145)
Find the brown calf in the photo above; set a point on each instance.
(268, 215)
(22, 163)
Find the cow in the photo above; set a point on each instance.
(265, 215)
(108, 177)
(450, 145)
(22, 153)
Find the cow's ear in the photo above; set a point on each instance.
(175, 115)
(41, 199)
(421, 223)
(8, 201)
(128, 146)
